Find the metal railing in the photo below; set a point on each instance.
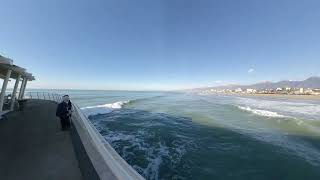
(44, 96)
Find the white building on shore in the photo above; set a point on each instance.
(251, 91)
(238, 90)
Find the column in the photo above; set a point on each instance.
(24, 89)
(14, 93)
(21, 87)
(4, 88)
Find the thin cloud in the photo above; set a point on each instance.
(251, 70)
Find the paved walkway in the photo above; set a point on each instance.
(33, 147)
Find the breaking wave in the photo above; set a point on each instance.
(306, 110)
(261, 112)
(103, 109)
(107, 108)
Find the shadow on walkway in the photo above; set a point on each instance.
(32, 146)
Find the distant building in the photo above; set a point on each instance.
(301, 90)
(271, 91)
(308, 91)
(315, 92)
(238, 90)
(288, 89)
(251, 91)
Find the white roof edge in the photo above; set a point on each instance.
(29, 76)
(16, 68)
(4, 60)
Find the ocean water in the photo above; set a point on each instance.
(171, 135)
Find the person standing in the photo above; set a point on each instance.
(64, 111)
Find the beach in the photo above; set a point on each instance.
(277, 96)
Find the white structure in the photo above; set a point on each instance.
(301, 90)
(251, 91)
(308, 91)
(315, 92)
(7, 71)
(238, 90)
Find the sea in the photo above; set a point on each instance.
(181, 135)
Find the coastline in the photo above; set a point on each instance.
(277, 96)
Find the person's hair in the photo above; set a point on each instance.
(65, 95)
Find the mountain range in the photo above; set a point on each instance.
(312, 82)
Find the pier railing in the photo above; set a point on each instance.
(107, 163)
(44, 96)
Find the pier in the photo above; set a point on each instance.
(32, 145)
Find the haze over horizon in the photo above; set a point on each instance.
(315, 83)
(161, 45)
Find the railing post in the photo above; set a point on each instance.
(30, 95)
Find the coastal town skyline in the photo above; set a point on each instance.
(315, 83)
(310, 86)
(160, 45)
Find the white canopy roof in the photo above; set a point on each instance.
(6, 64)
(4, 60)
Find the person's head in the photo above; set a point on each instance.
(66, 98)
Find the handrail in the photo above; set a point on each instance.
(44, 96)
(106, 161)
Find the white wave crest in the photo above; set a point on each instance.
(103, 109)
(301, 109)
(261, 112)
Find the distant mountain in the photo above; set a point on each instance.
(312, 82)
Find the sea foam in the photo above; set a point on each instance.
(261, 112)
(103, 109)
(309, 110)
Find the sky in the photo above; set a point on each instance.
(161, 44)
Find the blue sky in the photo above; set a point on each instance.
(161, 44)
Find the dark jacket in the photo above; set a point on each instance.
(69, 105)
(62, 110)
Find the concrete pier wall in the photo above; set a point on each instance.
(86, 167)
(106, 162)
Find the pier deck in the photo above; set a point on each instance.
(32, 146)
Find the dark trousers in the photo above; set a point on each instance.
(65, 123)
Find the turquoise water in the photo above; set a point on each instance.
(166, 135)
